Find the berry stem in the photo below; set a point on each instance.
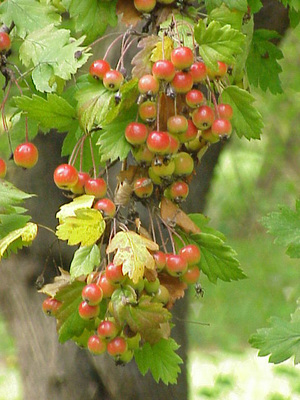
(161, 234)
(126, 48)
(112, 45)
(93, 158)
(158, 111)
(74, 153)
(102, 38)
(213, 97)
(26, 129)
(151, 223)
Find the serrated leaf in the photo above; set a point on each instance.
(60, 281)
(246, 120)
(218, 43)
(240, 5)
(285, 226)
(24, 235)
(84, 260)
(94, 103)
(70, 323)
(69, 209)
(160, 359)
(262, 67)
(202, 222)
(51, 53)
(225, 16)
(92, 16)
(132, 252)
(86, 227)
(50, 112)
(10, 195)
(157, 53)
(12, 221)
(281, 340)
(112, 142)
(27, 15)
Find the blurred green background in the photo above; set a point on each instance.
(251, 179)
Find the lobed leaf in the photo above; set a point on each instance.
(69, 209)
(84, 260)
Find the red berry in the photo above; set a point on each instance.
(203, 117)
(190, 134)
(225, 111)
(107, 287)
(191, 253)
(99, 68)
(106, 206)
(65, 176)
(3, 168)
(143, 187)
(107, 330)
(5, 42)
(88, 312)
(209, 137)
(177, 124)
(179, 190)
(113, 79)
(160, 260)
(158, 142)
(176, 265)
(148, 84)
(50, 306)
(117, 346)
(219, 72)
(191, 276)
(174, 144)
(182, 57)
(79, 187)
(194, 98)
(143, 155)
(163, 70)
(182, 82)
(136, 133)
(184, 164)
(26, 155)
(114, 273)
(221, 127)
(92, 294)
(198, 71)
(96, 187)
(96, 345)
(147, 110)
(144, 5)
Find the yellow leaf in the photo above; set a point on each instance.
(27, 234)
(59, 282)
(85, 227)
(157, 53)
(68, 210)
(132, 253)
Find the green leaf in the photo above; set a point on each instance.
(218, 43)
(160, 359)
(92, 16)
(28, 15)
(18, 238)
(225, 16)
(112, 142)
(70, 324)
(86, 227)
(285, 226)
(94, 103)
(202, 222)
(262, 66)
(281, 340)
(246, 120)
(11, 196)
(255, 5)
(51, 53)
(84, 260)
(12, 222)
(52, 112)
(240, 5)
(69, 209)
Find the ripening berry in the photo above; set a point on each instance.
(191, 276)
(194, 98)
(182, 82)
(113, 79)
(190, 134)
(96, 187)
(147, 110)
(148, 84)
(5, 42)
(107, 330)
(117, 346)
(203, 117)
(143, 187)
(219, 72)
(92, 294)
(106, 206)
(136, 133)
(184, 164)
(144, 6)
(163, 70)
(182, 57)
(176, 265)
(198, 71)
(87, 311)
(96, 345)
(221, 127)
(65, 176)
(158, 142)
(191, 253)
(79, 187)
(3, 168)
(225, 111)
(26, 155)
(177, 124)
(114, 273)
(99, 68)
(179, 191)
(51, 306)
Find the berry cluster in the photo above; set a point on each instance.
(112, 334)
(146, 6)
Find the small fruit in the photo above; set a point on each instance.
(182, 57)
(96, 345)
(113, 79)
(147, 110)
(182, 82)
(203, 117)
(144, 5)
(190, 134)
(162, 169)
(142, 154)
(198, 71)
(143, 187)
(26, 155)
(87, 311)
(79, 187)
(163, 70)
(209, 137)
(114, 273)
(160, 260)
(177, 124)
(191, 253)
(99, 68)
(221, 127)
(50, 306)
(176, 265)
(107, 287)
(158, 142)
(194, 98)
(106, 206)
(65, 176)
(3, 168)
(92, 294)
(162, 295)
(148, 84)
(117, 346)
(136, 133)
(96, 187)
(179, 191)
(184, 164)
(107, 330)
(5, 42)
(191, 276)
(151, 287)
(174, 144)
(225, 111)
(219, 72)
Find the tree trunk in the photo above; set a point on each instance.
(53, 371)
